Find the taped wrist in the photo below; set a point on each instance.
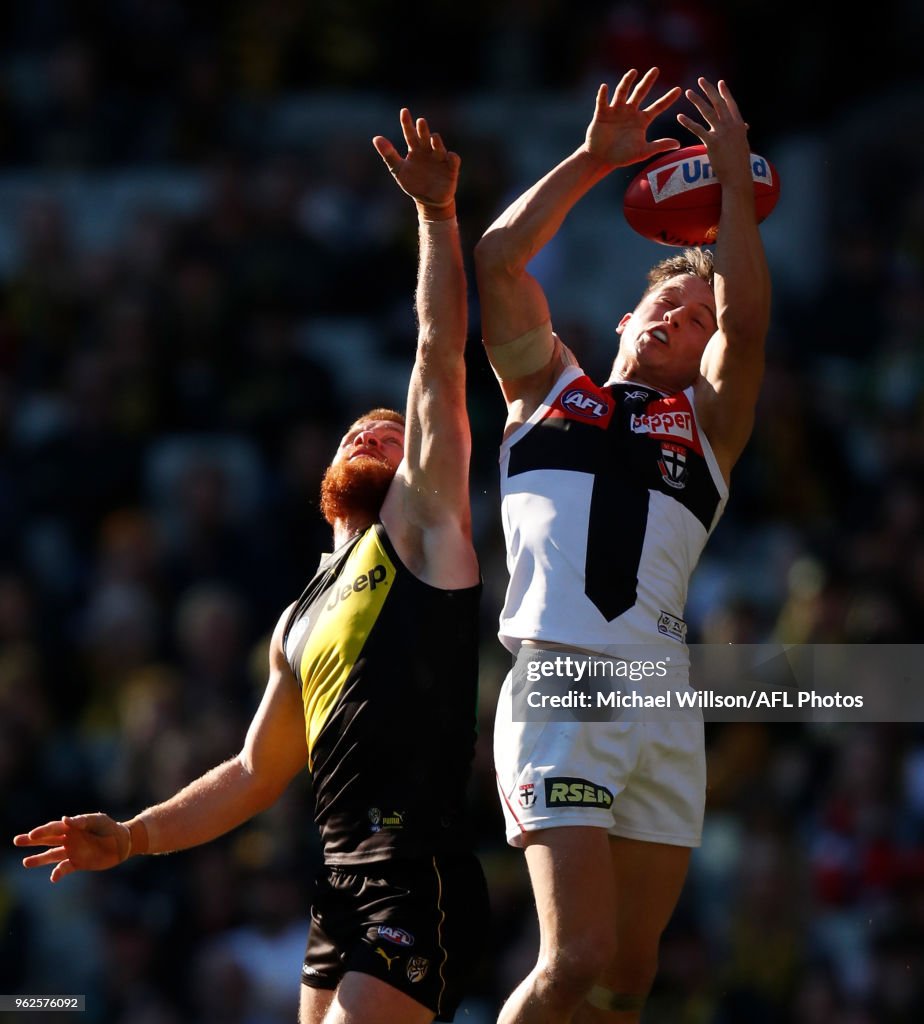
(530, 352)
(137, 837)
(437, 227)
(437, 213)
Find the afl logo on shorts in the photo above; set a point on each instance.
(527, 794)
(396, 935)
(586, 404)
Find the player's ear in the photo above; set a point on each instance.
(621, 326)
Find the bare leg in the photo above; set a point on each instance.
(603, 904)
(648, 879)
(572, 878)
(313, 1004)
(363, 999)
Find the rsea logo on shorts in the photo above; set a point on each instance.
(568, 792)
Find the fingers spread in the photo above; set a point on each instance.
(622, 89)
(388, 153)
(708, 88)
(661, 104)
(407, 127)
(42, 835)
(693, 126)
(663, 146)
(37, 860)
(726, 95)
(641, 90)
(701, 105)
(62, 869)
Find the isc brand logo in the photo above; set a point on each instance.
(377, 575)
(696, 172)
(569, 792)
(585, 404)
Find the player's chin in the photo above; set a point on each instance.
(367, 464)
(650, 350)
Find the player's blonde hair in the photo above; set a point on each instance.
(696, 262)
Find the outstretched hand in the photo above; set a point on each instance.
(725, 134)
(429, 173)
(85, 842)
(617, 133)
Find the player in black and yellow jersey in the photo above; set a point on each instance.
(373, 684)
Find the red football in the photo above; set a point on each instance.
(676, 199)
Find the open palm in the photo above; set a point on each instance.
(617, 135)
(429, 173)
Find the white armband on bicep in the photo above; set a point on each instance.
(530, 352)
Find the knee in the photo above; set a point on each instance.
(571, 970)
(631, 971)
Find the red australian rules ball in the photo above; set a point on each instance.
(676, 199)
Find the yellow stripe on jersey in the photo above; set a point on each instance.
(343, 624)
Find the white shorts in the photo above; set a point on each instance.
(633, 776)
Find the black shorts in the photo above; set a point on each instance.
(418, 925)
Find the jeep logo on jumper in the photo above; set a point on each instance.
(566, 792)
(366, 580)
(583, 403)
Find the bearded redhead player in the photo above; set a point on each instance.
(609, 493)
(372, 684)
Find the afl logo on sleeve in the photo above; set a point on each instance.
(584, 402)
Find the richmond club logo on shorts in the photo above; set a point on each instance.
(417, 968)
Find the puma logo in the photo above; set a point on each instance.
(388, 959)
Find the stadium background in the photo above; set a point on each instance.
(205, 272)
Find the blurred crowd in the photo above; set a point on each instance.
(206, 274)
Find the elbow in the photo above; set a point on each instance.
(491, 257)
(261, 788)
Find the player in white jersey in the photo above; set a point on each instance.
(609, 493)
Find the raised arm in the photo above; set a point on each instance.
(427, 511)
(515, 315)
(733, 361)
(274, 751)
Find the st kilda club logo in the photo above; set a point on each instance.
(673, 464)
(527, 795)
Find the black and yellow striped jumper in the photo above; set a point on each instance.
(388, 668)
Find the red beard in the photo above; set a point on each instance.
(355, 489)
